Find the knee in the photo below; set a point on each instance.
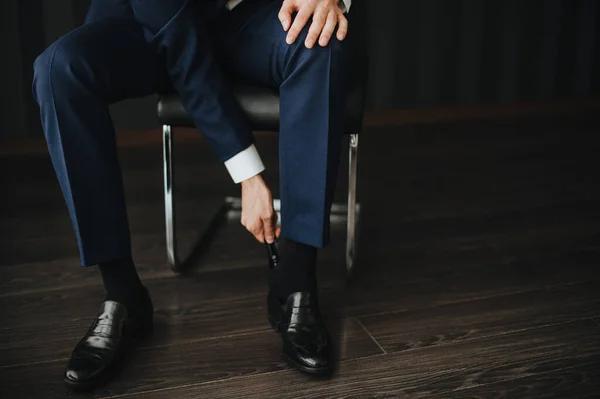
(53, 69)
(41, 73)
(334, 43)
(333, 52)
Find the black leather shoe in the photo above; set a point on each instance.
(306, 343)
(96, 357)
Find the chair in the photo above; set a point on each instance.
(261, 105)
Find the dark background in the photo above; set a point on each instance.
(423, 53)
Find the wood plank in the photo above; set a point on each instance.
(525, 236)
(462, 285)
(186, 309)
(580, 382)
(548, 240)
(150, 256)
(425, 372)
(175, 292)
(238, 301)
(172, 326)
(162, 366)
(43, 307)
(441, 325)
(192, 303)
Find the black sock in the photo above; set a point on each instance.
(296, 270)
(122, 283)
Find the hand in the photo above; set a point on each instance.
(258, 216)
(327, 14)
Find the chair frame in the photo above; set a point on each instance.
(232, 206)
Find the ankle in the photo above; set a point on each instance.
(296, 271)
(135, 300)
(122, 283)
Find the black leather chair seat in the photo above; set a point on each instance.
(261, 104)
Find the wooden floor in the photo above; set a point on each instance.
(478, 273)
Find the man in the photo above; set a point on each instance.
(130, 48)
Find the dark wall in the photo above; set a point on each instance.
(437, 52)
(12, 111)
(20, 39)
(423, 53)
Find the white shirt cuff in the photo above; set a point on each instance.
(231, 4)
(347, 4)
(244, 164)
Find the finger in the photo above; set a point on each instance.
(276, 224)
(260, 237)
(258, 232)
(318, 22)
(342, 27)
(285, 14)
(299, 22)
(328, 29)
(268, 229)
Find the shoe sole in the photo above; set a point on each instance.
(85, 386)
(321, 372)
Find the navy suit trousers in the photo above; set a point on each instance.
(133, 48)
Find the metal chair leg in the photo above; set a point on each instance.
(203, 240)
(231, 207)
(169, 201)
(353, 208)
